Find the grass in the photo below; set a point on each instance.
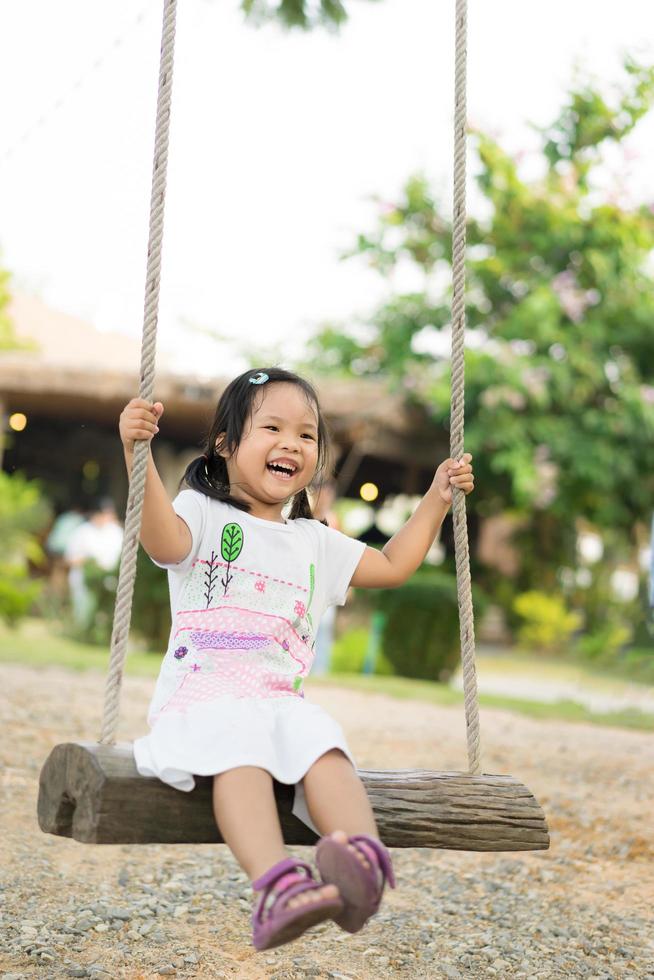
(434, 693)
(599, 678)
(37, 644)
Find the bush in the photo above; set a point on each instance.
(349, 654)
(18, 593)
(547, 623)
(150, 606)
(421, 632)
(603, 644)
(23, 513)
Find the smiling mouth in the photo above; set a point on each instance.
(281, 471)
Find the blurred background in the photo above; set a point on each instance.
(308, 224)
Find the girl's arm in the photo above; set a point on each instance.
(164, 535)
(405, 552)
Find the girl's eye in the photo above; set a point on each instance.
(271, 426)
(308, 435)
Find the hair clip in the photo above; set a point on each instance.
(259, 379)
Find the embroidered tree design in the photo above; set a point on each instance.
(231, 545)
(210, 577)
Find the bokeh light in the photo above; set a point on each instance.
(17, 421)
(369, 491)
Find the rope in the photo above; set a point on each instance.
(127, 574)
(464, 588)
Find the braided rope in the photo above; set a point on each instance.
(464, 588)
(127, 574)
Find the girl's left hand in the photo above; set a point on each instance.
(450, 474)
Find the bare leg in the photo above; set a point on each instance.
(337, 800)
(246, 814)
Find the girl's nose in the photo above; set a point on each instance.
(289, 442)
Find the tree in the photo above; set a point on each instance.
(8, 340)
(560, 307)
(303, 14)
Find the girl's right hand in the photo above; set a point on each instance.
(138, 420)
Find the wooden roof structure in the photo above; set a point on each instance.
(73, 371)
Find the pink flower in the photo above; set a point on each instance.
(260, 585)
(300, 608)
(195, 667)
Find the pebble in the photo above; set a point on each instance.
(575, 911)
(449, 971)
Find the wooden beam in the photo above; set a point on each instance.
(94, 793)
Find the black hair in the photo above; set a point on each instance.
(208, 473)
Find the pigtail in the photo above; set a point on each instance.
(208, 475)
(301, 507)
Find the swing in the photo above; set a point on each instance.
(93, 792)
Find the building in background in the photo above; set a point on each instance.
(61, 397)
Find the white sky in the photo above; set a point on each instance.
(277, 140)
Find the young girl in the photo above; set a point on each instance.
(247, 588)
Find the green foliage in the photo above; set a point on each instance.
(587, 120)
(547, 624)
(637, 663)
(604, 643)
(420, 637)
(97, 626)
(8, 339)
(23, 513)
(18, 593)
(301, 14)
(560, 300)
(349, 654)
(150, 606)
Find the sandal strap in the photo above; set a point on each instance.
(296, 883)
(278, 870)
(380, 852)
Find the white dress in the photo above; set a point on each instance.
(245, 603)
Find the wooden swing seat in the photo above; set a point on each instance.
(94, 793)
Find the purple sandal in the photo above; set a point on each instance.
(273, 922)
(361, 888)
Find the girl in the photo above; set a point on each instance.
(248, 587)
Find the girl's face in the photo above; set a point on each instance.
(278, 452)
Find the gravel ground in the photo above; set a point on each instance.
(581, 909)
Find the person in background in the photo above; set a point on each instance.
(62, 530)
(99, 539)
(56, 543)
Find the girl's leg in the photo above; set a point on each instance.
(340, 809)
(336, 798)
(337, 801)
(246, 813)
